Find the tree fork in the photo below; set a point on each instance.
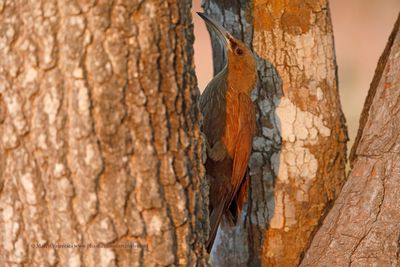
(299, 153)
(362, 228)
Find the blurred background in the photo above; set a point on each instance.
(361, 30)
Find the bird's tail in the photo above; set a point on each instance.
(236, 206)
(232, 213)
(215, 219)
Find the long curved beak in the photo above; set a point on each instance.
(222, 34)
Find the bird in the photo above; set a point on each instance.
(229, 124)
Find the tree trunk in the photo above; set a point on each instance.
(362, 229)
(99, 138)
(298, 163)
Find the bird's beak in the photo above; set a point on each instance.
(222, 34)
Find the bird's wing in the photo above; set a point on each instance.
(243, 146)
(241, 157)
(213, 107)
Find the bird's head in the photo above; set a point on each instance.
(242, 69)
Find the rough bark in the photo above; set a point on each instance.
(298, 163)
(362, 229)
(99, 136)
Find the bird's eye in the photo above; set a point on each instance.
(239, 51)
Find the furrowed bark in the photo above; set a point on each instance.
(362, 228)
(298, 163)
(99, 136)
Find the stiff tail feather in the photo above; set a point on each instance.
(232, 213)
(236, 206)
(215, 219)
